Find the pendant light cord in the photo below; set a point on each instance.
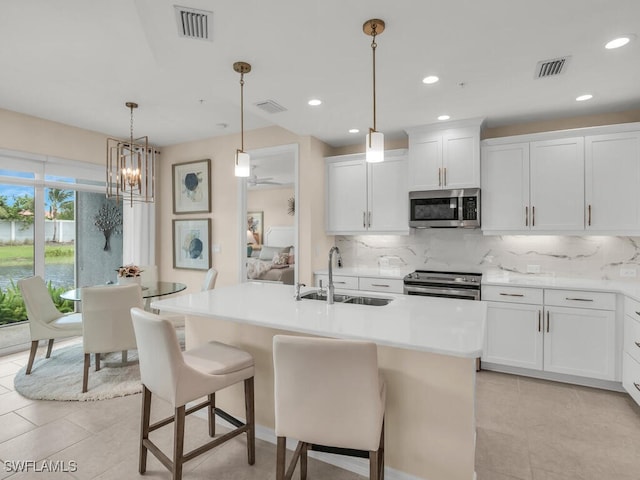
(373, 48)
(242, 112)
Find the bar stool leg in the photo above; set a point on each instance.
(178, 443)
(251, 421)
(85, 377)
(373, 465)
(211, 413)
(303, 461)
(281, 456)
(144, 428)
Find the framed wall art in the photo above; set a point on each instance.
(192, 244)
(191, 187)
(255, 226)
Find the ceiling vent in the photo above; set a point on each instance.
(270, 106)
(551, 68)
(194, 23)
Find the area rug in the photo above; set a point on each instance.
(60, 376)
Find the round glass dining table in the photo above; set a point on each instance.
(157, 289)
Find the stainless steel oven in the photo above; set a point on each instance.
(430, 283)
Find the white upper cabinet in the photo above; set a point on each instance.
(505, 187)
(570, 182)
(556, 172)
(367, 198)
(612, 182)
(444, 156)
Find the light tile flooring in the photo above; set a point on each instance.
(527, 430)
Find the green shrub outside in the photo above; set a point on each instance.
(12, 308)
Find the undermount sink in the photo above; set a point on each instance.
(339, 298)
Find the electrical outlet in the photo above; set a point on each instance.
(628, 272)
(533, 268)
(216, 248)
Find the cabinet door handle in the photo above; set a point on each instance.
(636, 385)
(526, 216)
(589, 219)
(445, 176)
(637, 313)
(637, 344)
(539, 320)
(548, 321)
(533, 216)
(380, 285)
(579, 299)
(511, 294)
(369, 222)
(439, 177)
(364, 219)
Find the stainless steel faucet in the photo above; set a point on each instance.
(297, 294)
(330, 288)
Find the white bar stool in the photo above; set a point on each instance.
(181, 377)
(330, 397)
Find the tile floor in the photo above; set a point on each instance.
(527, 430)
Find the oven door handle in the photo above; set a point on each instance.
(426, 291)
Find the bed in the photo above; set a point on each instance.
(274, 261)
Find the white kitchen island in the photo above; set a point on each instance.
(427, 351)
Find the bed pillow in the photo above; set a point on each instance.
(267, 253)
(281, 259)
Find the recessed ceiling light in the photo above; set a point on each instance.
(354, 130)
(618, 42)
(444, 117)
(582, 98)
(430, 79)
(315, 102)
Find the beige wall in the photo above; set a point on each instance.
(225, 203)
(36, 135)
(274, 203)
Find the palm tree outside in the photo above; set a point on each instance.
(60, 204)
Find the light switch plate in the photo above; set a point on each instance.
(533, 268)
(628, 272)
(216, 248)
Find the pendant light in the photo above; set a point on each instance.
(243, 168)
(130, 166)
(375, 140)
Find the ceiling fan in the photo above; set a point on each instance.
(253, 180)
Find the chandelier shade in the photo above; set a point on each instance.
(131, 167)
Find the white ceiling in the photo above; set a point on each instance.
(78, 62)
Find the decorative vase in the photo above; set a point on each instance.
(129, 280)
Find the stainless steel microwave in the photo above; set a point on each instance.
(445, 208)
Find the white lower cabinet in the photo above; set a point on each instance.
(372, 284)
(631, 355)
(552, 334)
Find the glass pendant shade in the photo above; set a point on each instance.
(243, 164)
(375, 147)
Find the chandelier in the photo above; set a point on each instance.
(375, 140)
(242, 168)
(131, 167)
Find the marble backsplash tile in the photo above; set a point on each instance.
(597, 257)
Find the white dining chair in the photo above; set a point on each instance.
(181, 377)
(330, 397)
(45, 321)
(107, 327)
(209, 282)
(148, 274)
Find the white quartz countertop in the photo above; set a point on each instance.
(379, 272)
(629, 289)
(436, 325)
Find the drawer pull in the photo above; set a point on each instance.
(637, 344)
(580, 299)
(636, 385)
(516, 295)
(380, 285)
(341, 283)
(637, 313)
